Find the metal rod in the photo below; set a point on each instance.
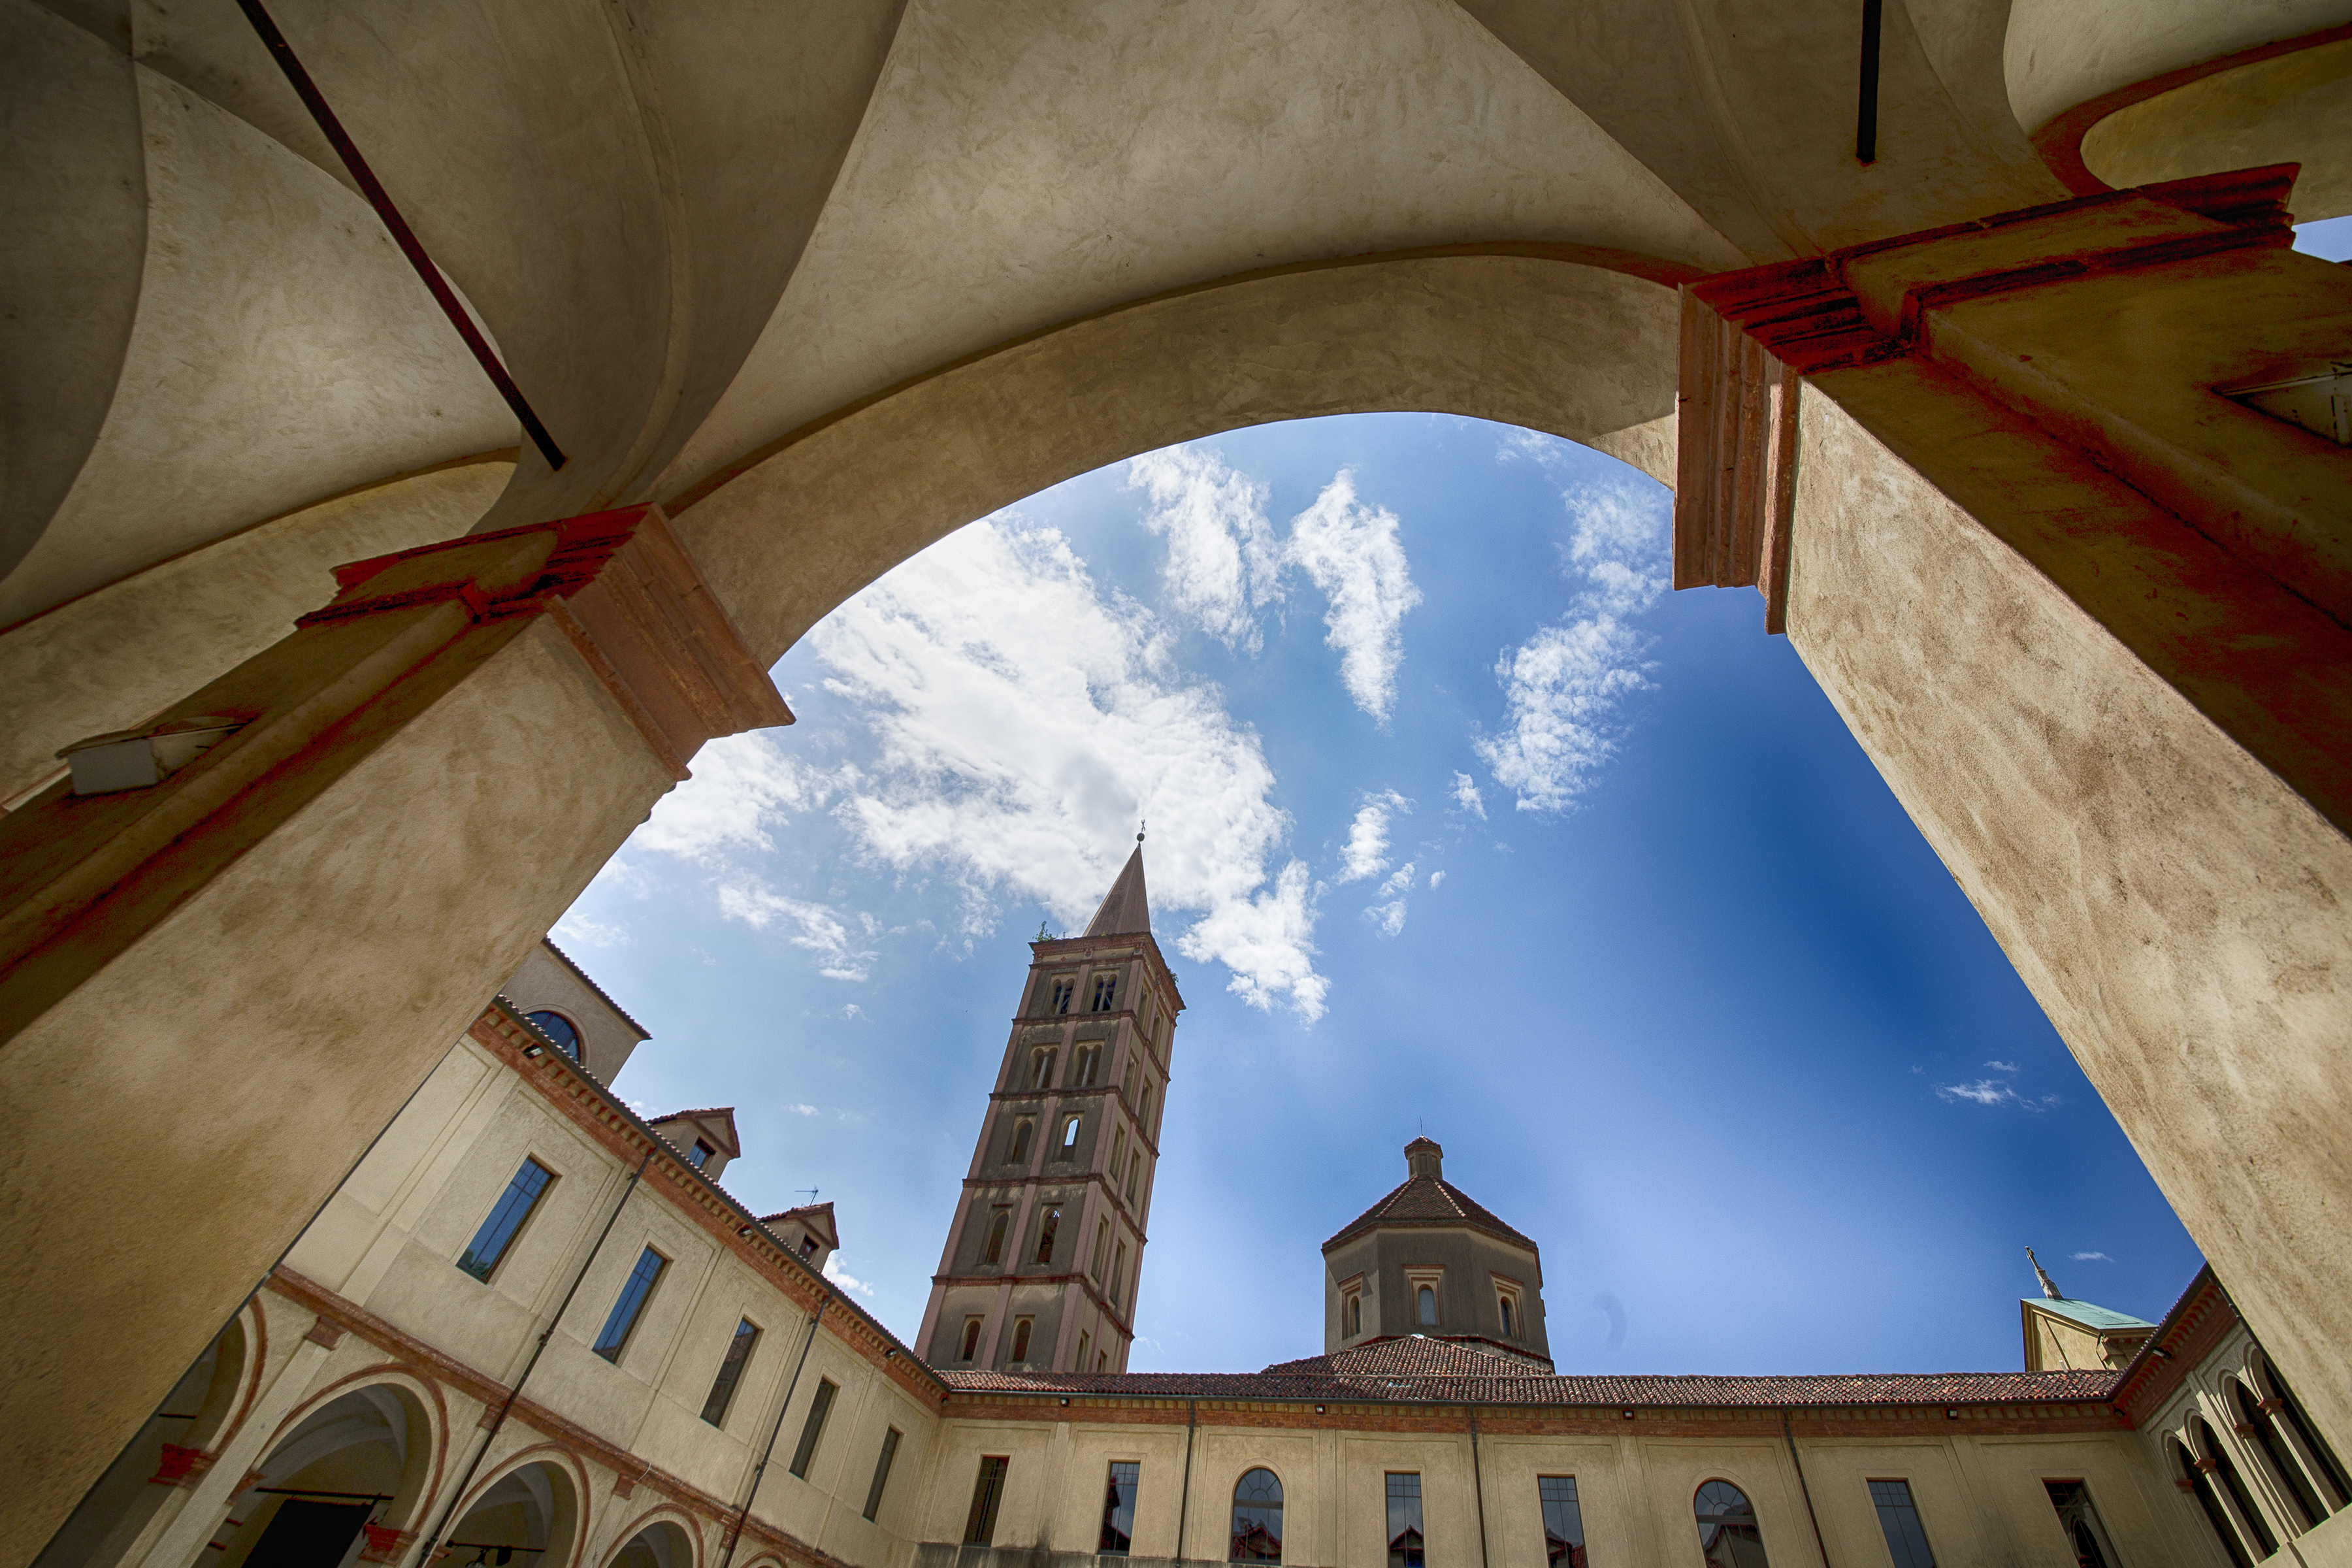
(1184, 1498)
(432, 1542)
(1789, 1433)
(743, 1514)
(401, 235)
(1865, 129)
(1478, 1484)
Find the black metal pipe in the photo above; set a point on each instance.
(432, 1542)
(1865, 129)
(1477, 1484)
(1184, 1496)
(401, 235)
(1789, 1433)
(743, 1514)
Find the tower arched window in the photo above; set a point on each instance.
(1424, 1307)
(1089, 1066)
(2284, 1472)
(2201, 1486)
(970, 1338)
(557, 1028)
(1353, 1321)
(1143, 1112)
(1510, 1319)
(2228, 1472)
(1021, 1128)
(1728, 1535)
(995, 1253)
(1041, 1068)
(1021, 1328)
(1070, 1137)
(1257, 1518)
(1046, 1229)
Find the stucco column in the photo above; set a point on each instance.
(216, 990)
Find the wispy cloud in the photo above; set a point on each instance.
(1352, 553)
(799, 1110)
(1467, 797)
(1017, 750)
(579, 930)
(743, 786)
(1222, 560)
(1562, 687)
(1388, 918)
(1992, 1091)
(2090, 1257)
(803, 924)
(1435, 878)
(2011, 1068)
(841, 1277)
(1366, 853)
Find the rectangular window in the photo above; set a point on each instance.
(819, 1409)
(1106, 991)
(731, 1373)
(2081, 1521)
(881, 1472)
(1119, 1508)
(1118, 1152)
(1404, 1521)
(497, 1233)
(701, 1154)
(1907, 1540)
(1102, 1248)
(1134, 1170)
(623, 1318)
(1563, 1521)
(980, 1526)
(1046, 1229)
(1117, 1272)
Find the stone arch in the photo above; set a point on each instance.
(1577, 343)
(535, 1499)
(172, 1452)
(361, 1454)
(663, 1538)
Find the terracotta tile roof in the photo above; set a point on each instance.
(1317, 1378)
(815, 1216)
(724, 1129)
(1414, 1356)
(1429, 1200)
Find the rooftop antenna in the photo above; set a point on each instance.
(809, 1191)
(1138, 831)
(2048, 1286)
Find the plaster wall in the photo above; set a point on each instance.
(606, 1037)
(1467, 1300)
(2176, 909)
(2059, 53)
(2291, 108)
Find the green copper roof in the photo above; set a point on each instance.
(2089, 1316)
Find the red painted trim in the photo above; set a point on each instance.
(2059, 141)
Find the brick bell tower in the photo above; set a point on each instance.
(1045, 1254)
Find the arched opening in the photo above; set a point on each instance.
(558, 1028)
(176, 1443)
(1728, 1535)
(2284, 1473)
(361, 1459)
(2201, 1489)
(1257, 1535)
(661, 1544)
(2226, 1470)
(527, 1518)
(1424, 1307)
(2307, 1438)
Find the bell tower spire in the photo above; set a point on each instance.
(1045, 1256)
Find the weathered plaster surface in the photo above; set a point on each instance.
(2292, 109)
(1575, 350)
(374, 921)
(111, 658)
(2181, 915)
(2062, 52)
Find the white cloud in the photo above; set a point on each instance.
(1352, 553)
(1990, 1091)
(742, 785)
(1024, 722)
(581, 930)
(811, 926)
(1434, 878)
(2090, 1257)
(1467, 797)
(1563, 686)
(1399, 882)
(1367, 849)
(1388, 918)
(2011, 1068)
(833, 1271)
(803, 1109)
(1222, 562)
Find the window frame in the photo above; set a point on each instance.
(970, 1342)
(820, 1411)
(1573, 1554)
(999, 1225)
(1049, 1225)
(1234, 1535)
(1406, 1499)
(505, 1244)
(987, 1492)
(2088, 1518)
(1025, 1330)
(1105, 992)
(1114, 1503)
(629, 1307)
(729, 1379)
(577, 1051)
(1885, 1504)
(1023, 1128)
(1726, 1520)
(891, 1437)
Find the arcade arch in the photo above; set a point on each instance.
(656, 1543)
(361, 1455)
(527, 1516)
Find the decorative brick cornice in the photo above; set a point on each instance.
(2195, 1327)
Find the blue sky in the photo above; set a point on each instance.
(1460, 823)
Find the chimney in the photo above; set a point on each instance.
(1426, 1157)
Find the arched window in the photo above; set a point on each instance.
(2222, 1468)
(1424, 1302)
(1020, 1140)
(2283, 1468)
(1354, 1317)
(1257, 1518)
(1069, 1136)
(557, 1028)
(1021, 1327)
(996, 1235)
(970, 1338)
(2291, 1412)
(1041, 1068)
(1727, 1532)
(1510, 1323)
(2202, 1490)
(1046, 1229)
(1089, 1065)
(1143, 1112)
